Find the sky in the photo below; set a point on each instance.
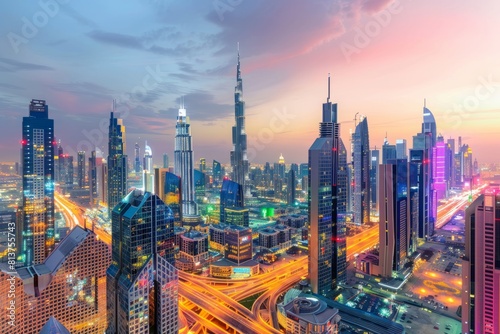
(385, 57)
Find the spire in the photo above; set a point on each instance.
(182, 109)
(238, 70)
(328, 98)
(424, 103)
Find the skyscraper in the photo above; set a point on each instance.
(401, 150)
(231, 197)
(361, 168)
(137, 161)
(239, 160)
(94, 200)
(203, 165)
(481, 266)
(375, 161)
(168, 188)
(216, 171)
(183, 160)
(117, 162)
(394, 228)
(344, 184)
(148, 173)
(290, 188)
(327, 257)
(142, 282)
(388, 151)
(38, 184)
(165, 160)
(420, 181)
(80, 169)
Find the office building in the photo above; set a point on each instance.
(481, 266)
(168, 188)
(203, 165)
(238, 155)
(116, 163)
(375, 161)
(361, 170)
(199, 186)
(38, 184)
(327, 257)
(440, 169)
(394, 226)
(142, 283)
(183, 163)
(231, 197)
(165, 160)
(421, 184)
(237, 216)
(238, 244)
(290, 187)
(193, 251)
(94, 198)
(401, 150)
(389, 151)
(344, 184)
(216, 172)
(137, 160)
(80, 169)
(70, 285)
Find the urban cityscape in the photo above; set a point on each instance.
(244, 167)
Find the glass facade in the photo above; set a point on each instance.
(37, 152)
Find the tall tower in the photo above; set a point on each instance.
(394, 226)
(239, 160)
(117, 162)
(38, 184)
(343, 184)
(148, 173)
(94, 200)
(481, 266)
(80, 171)
(361, 169)
(327, 246)
(142, 282)
(183, 163)
(137, 161)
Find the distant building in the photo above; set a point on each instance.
(94, 197)
(237, 216)
(375, 161)
(231, 197)
(401, 150)
(168, 188)
(80, 169)
(344, 183)
(276, 236)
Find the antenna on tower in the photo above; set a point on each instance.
(328, 98)
(424, 102)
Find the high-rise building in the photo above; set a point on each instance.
(142, 282)
(290, 188)
(148, 173)
(94, 199)
(239, 159)
(401, 150)
(199, 186)
(327, 257)
(70, 285)
(420, 178)
(193, 251)
(344, 184)
(375, 161)
(281, 167)
(440, 171)
(165, 160)
(388, 151)
(80, 169)
(203, 165)
(361, 167)
(216, 171)
(116, 163)
(481, 266)
(422, 142)
(38, 184)
(168, 188)
(137, 160)
(394, 227)
(231, 197)
(183, 160)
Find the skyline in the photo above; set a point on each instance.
(80, 59)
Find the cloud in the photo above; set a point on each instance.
(75, 15)
(201, 106)
(11, 65)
